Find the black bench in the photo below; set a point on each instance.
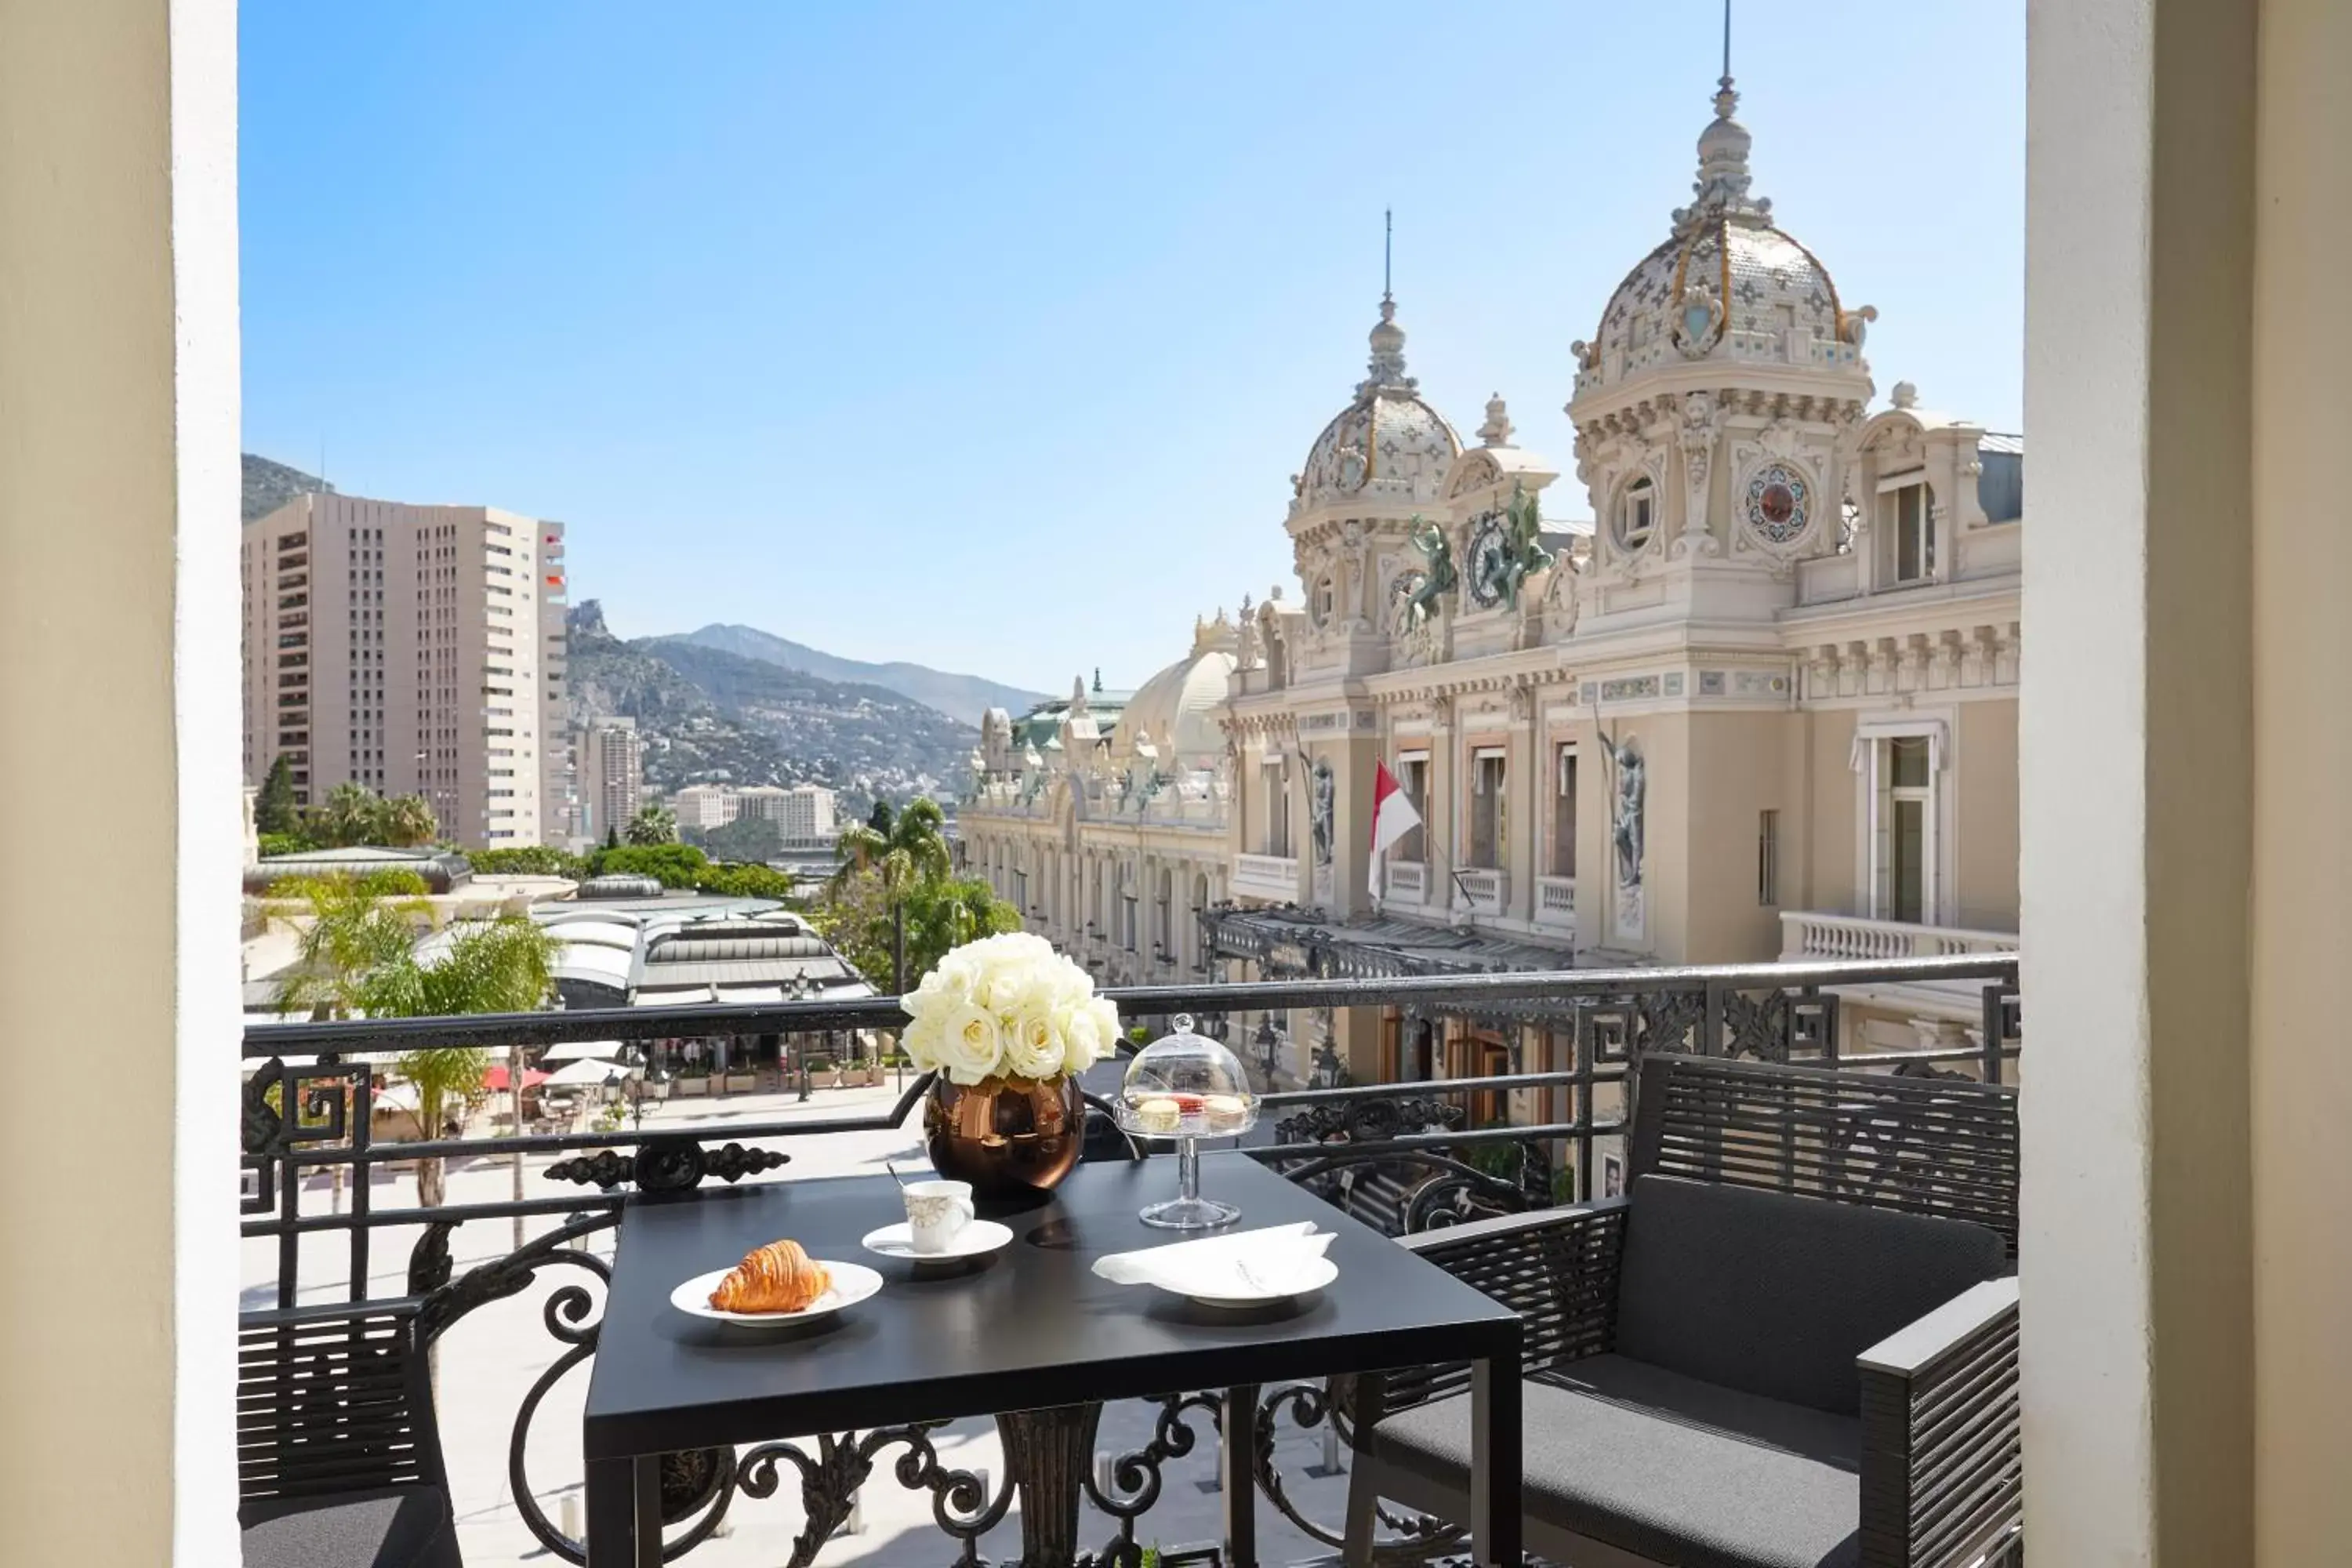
(1793, 1345)
(338, 1461)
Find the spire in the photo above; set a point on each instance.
(1386, 367)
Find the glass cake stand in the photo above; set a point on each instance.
(1186, 1087)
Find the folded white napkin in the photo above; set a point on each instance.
(1247, 1263)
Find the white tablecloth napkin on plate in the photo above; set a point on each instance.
(1215, 1266)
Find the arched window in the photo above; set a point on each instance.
(1636, 514)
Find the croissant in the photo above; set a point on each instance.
(777, 1277)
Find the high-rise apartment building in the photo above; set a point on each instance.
(411, 649)
(705, 806)
(611, 758)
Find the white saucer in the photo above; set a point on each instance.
(976, 1239)
(852, 1283)
(1308, 1275)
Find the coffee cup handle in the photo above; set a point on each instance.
(963, 1207)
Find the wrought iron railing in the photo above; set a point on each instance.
(1408, 1155)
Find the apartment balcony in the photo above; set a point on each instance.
(1805, 935)
(1274, 877)
(1810, 938)
(1556, 903)
(506, 1282)
(1485, 890)
(1406, 882)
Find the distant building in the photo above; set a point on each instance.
(610, 756)
(705, 806)
(802, 815)
(409, 649)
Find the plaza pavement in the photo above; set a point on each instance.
(487, 1363)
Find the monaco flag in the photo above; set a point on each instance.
(1392, 817)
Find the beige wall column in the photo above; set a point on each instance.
(2135, 728)
(120, 695)
(2303, 777)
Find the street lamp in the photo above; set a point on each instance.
(800, 993)
(1269, 1042)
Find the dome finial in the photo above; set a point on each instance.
(1723, 179)
(1386, 367)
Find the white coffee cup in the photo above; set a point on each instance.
(936, 1213)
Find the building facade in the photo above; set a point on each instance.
(1763, 704)
(610, 756)
(410, 649)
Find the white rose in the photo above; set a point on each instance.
(969, 1044)
(1006, 987)
(921, 1040)
(1034, 1048)
(1084, 1040)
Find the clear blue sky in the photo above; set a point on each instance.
(987, 335)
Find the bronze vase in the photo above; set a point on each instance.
(1009, 1137)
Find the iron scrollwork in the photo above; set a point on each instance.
(1309, 1406)
(671, 1164)
(830, 1480)
(1135, 1478)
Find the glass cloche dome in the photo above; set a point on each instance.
(1187, 1087)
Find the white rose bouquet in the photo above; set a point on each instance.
(1008, 1006)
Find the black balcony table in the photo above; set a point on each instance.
(1033, 1330)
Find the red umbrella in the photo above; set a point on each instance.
(496, 1079)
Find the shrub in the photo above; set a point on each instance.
(745, 882)
(528, 860)
(277, 844)
(381, 882)
(671, 865)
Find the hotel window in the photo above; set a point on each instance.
(1636, 514)
(1563, 810)
(1767, 858)
(1907, 514)
(1490, 826)
(1904, 828)
(1412, 778)
(1163, 917)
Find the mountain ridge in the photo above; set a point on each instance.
(963, 698)
(710, 715)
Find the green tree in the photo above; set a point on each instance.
(612, 837)
(653, 824)
(857, 917)
(274, 810)
(404, 822)
(357, 924)
(347, 816)
(912, 849)
(909, 853)
(505, 965)
(672, 865)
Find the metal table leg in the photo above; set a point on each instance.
(624, 1512)
(1237, 1474)
(1048, 1454)
(1495, 1435)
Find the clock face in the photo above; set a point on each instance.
(1778, 504)
(1487, 563)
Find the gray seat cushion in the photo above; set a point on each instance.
(1775, 1294)
(1662, 1466)
(392, 1527)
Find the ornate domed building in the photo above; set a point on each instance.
(1762, 704)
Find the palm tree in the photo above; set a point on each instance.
(504, 965)
(358, 924)
(347, 816)
(904, 853)
(405, 821)
(912, 848)
(654, 825)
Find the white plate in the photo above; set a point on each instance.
(1307, 1274)
(976, 1239)
(852, 1283)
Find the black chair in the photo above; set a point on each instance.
(1793, 1345)
(338, 1461)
